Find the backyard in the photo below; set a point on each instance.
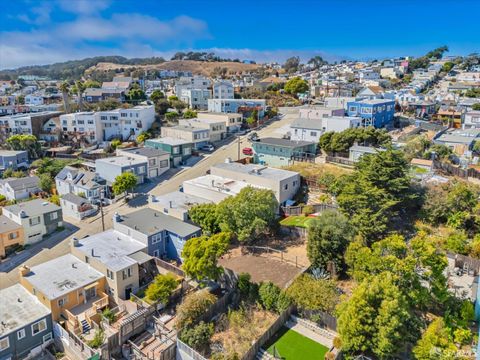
(296, 220)
(290, 345)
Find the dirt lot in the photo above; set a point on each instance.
(261, 268)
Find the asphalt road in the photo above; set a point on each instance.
(59, 244)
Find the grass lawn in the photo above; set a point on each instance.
(296, 220)
(291, 345)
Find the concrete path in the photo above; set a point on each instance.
(315, 336)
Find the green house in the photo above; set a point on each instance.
(179, 150)
(282, 152)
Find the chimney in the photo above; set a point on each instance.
(24, 270)
(74, 241)
(117, 217)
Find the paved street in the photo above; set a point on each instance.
(55, 246)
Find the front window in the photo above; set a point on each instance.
(38, 327)
(62, 302)
(20, 334)
(141, 170)
(156, 238)
(164, 163)
(13, 235)
(152, 162)
(4, 344)
(53, 216)
(35, 221)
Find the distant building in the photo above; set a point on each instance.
(196, 135)
(471, 120)
(26, 324)
(243, 106)
(33, 99)
(223, 90)
(233, 122)
(11, 159)
(196, 99)
(319, 112)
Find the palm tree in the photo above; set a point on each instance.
(79, 89)
(64, 88)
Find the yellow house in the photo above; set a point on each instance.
(70, 288)
(11, 234)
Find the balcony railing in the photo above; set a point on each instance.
(76, 314)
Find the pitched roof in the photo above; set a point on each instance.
(22, 183)
(87, 179)
(74, 199)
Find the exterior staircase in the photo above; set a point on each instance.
(85, 326)
(263, 355)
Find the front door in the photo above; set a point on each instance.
(90, 293)
(128, 291)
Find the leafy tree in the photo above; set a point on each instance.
(161, 288)
(189, 114)
(109, 104)
(173, 98)
(55, 199)
(447, 66)
(143, 136)
(317, 61)
(8, 173)
(291, 64)
(248, 290)
(296, 86)
(375, 319)
(442, 152)
(25, 142)
(328, 238)
(458, 243)
(92, 84)
(136, 94)
(193, 306)
(435, 343)
(272, 298)
(309, 293)
(50, 166)
(65, 88)
(98, 339)
(178, 105)
(198, 337)
(157, 95)
(172, 115)
(46, 182)
(200, 255)
(249, 214)
(205, 215)
(161, 106)
(476, 106)
(115, 143)
(21, 99)
(333, 142)
(79, 89)
(124, 182)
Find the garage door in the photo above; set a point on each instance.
(153, 173)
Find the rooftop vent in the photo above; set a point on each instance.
(75, 241)
(22, 214)
(74, 266)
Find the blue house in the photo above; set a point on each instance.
(164, 235)
(375, 112)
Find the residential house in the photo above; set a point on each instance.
(216, 128)
(243, 106)
(82, 126)
(70, 288)
(158, 161)
(76, 207)
(12, 159)
(423, 109)
(282, 152)
(176, 204)
(37, 217)
(30, 123)
(285, 184)
(233, 122)
(197, 136)
(110, 168)
(312, 129)
(179, 150)
(118, 257)
(357, 151)
(51, 130)
(264, 84)
(368, 74)
(471, 119)
(459, 140)
(19, 188)
(338, 102)
(72, 180)
(223, 90)
(11, 235)
(319, 112)
(390, 73)
(33, 99)
(196, 99)
(376, 112)
(370, 93)
(26, 324)
(164, 235)
(191, 82)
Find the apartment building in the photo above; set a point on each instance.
(319, 112)
(11, 235)
(110, 168)
(223, 90)
(179, 150)
(233, 122)
(243, 106)
(191, 82)
(11, 159)
(285, 184)
(471, 119)
(158, 161)
(216, 128)
(37, 218)
(26, 324)
(81, 125)
(194, 135)
(72, 180)
(196, 99)
(19, 188)
(375, 112)
(30, 123)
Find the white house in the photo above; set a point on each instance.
(191, 82)
(158, 161)
(76, 207)
(237, 105)
(223, 90)
(33, 99)
(82, 124)
(233, 122)
(471, 119)
(217, 128)
(71, 180)
(19, 188)
(319, 112)
(196, 98)
(312, 129)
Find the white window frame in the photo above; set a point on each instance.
(156, 238)
(44, 322)
(3, 347)
(54, 216)
(21, 334)
(47, 337)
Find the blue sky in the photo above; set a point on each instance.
(42, 32)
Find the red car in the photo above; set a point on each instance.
(247, 151)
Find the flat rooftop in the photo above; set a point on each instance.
(7, 225)
(11, 152)
(121, 161)
(374, 101)
(170, 141)
(220, 184)
(145, 151)
(284, 142)
(149, 221)
(256, 170)
(188, 128)
(33, 207)
(19, 308)
(62, 275)
(111, 248)
(178, 200)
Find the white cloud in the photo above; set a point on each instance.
(39, 15)
(84, 7)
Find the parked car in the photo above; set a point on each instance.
(253, 137)
(247, 151)
(208, 147)
(241, 132)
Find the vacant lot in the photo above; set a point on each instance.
(290, 345)
(261, 268)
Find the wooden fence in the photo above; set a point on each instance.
(322, 319)
(191, 353)
(455, 170)
(297, 210)
(255, 348)
(339, 160)
(465, 262)
(272, 253)
(170, 267)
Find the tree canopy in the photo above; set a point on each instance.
(205, 215)
(296, 86)
(291, 64)
(25, 142)
(124, 182)
(161, 288)
(309, 293)
(342, 141)
(193, 306)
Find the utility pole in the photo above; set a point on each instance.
(102, 193)
(238, 152)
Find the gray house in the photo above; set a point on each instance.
(158, 160)
(110, 168)
(19, 188)
(26, 324)
(13, 159)
(71, 180)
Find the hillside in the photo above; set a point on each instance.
(197, 67)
